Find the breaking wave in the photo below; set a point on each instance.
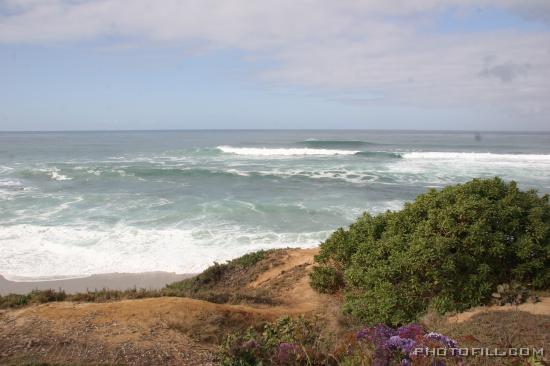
(64, 251)
(314, 143)
(380, 154)
(264, 151)
(475, 156)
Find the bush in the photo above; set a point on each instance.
(326, 279)
(13, 301)
(447, 250)
(286, 341)
(250, 259)
(45, 296)
(213, 275)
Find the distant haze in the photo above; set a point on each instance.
(247, 64)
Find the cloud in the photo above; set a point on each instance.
(506, 72)
(387, 49)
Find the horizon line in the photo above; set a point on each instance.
(278, 129)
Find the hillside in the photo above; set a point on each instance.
(186, 331)
(170, 330)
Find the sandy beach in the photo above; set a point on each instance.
(113, 281)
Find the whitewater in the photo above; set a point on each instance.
(78, 203)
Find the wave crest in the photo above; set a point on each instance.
(264, 151)
(334, 143)
(380, 154)
(476, 156)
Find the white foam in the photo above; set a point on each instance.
(61, 207)
(10, 188)
(4, 169)
(441, 168)
(41, 252)
(96, 172)
(237, 172)
(353, 175)
(472, 156)
(11, 184)
(263, 151)
(54, 173)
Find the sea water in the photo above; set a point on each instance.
(77, 203)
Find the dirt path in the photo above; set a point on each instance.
(539, 308)
(295, 258)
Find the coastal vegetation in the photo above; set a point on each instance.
(290, 341)
(449, 250)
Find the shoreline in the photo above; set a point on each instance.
(112, 281)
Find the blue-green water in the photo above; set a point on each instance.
(76, 203)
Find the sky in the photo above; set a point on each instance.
(249, 64)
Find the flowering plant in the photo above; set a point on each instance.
(296, 342)
(399, 346)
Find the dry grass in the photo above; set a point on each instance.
(497, 329)
(159, 330)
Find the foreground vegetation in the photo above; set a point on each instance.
(290, 341)
(300, 341)
(448, 250)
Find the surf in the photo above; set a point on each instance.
(264, 151)
(315, 143)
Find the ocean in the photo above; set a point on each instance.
(78, 203)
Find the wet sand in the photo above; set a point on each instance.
(112, 281)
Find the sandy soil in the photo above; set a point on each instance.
(539, 308)
(295, 258)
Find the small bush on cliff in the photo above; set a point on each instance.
(286, 341)
(448, 250)
(326, 279)
(214, 274)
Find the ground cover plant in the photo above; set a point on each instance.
(289, 341)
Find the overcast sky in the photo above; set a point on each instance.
(176, 64)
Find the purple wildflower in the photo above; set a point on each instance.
(391, 345)
(288, 352)
(405, 345)
(446, 341)
(411, 331)
(378, 335)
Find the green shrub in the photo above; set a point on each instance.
(213, 275)
(286, 341)
(447, 250)
(249, 259)
(44, 296)
(326, 279)
(13, 301)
